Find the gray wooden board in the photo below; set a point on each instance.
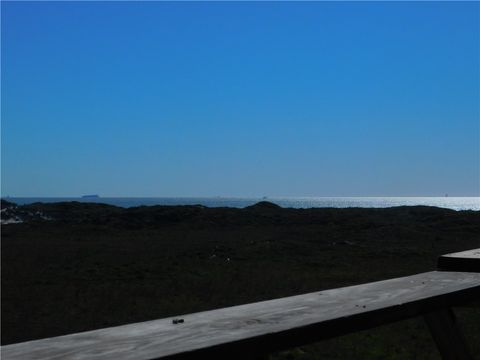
(264, 326)
(461, 261)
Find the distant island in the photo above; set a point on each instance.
(94, 196)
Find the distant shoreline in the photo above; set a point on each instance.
(454, 203)
(98, 212)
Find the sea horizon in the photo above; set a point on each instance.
(449, 202)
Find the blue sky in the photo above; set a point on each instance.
(240, 99)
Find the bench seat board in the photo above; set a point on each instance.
(268, 326)
(461, 261)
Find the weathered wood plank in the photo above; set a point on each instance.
(262, 327)
(447, 335)
(461, 261)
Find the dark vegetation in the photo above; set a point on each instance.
(97, 265)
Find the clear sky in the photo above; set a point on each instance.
(240, 99)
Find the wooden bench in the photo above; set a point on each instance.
(253, 330)
(460, 261)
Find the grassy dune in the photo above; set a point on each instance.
(98, 265)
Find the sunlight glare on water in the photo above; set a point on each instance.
(454, 203)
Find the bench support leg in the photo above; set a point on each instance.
(447, 335)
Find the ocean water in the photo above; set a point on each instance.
(455, 203)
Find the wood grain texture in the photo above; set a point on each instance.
(253, 329)
(447, 335)
(461, 261)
